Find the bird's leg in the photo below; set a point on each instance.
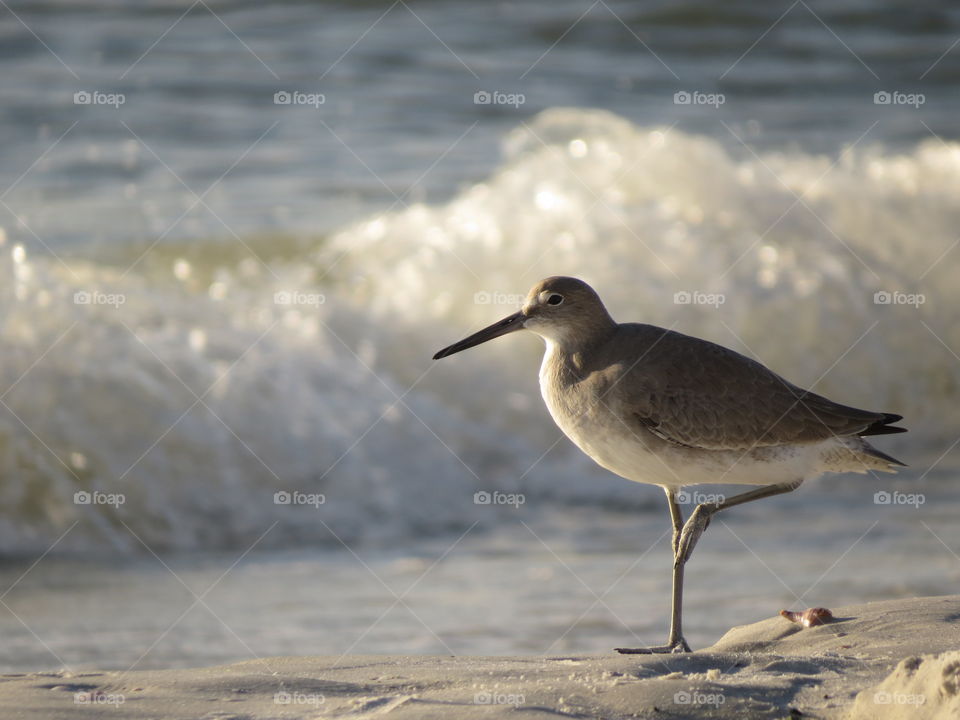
(683, 547)
(675, 643)
(676, 518)
(700, 518)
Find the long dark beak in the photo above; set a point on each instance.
(507, 325)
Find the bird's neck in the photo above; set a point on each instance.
(571, 349)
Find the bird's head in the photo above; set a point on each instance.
(563, 310)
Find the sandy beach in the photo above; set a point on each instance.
(891, 659)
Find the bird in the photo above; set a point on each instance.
(656, 406)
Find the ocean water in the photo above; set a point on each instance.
(209, 298)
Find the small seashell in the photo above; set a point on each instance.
(809, 617)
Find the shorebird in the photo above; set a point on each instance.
(659, 407)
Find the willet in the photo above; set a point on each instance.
(659, 407)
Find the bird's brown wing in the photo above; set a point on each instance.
(695, 393)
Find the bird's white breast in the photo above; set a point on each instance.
(594, 426)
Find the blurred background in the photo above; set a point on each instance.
(234, 233)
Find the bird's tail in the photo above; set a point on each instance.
(885, 426)
(854, 454)
(872, 459)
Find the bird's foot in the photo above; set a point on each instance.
(679, 646)
(692, 530)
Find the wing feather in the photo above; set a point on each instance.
(699, 394)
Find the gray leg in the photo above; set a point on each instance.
(676, 518)
(675, 643)
(685, 537)
(700, 518)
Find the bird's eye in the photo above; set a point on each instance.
(554, 299)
